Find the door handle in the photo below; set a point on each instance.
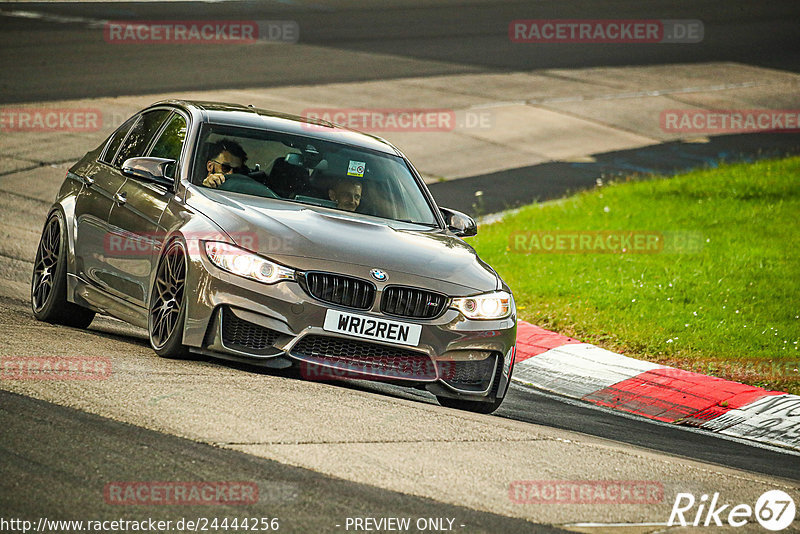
(121, 198)
(89, 181)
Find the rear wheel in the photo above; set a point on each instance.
(49, 281)
(470, 406)
(168, 304)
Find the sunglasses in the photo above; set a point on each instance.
(224, 166)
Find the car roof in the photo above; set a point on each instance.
(251, 117)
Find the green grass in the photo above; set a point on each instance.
(724, 302)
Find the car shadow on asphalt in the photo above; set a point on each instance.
(115, 330)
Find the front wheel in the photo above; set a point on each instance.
(49, 281)
(470, 406)
(167, 313)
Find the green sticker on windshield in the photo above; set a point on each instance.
(356, 168)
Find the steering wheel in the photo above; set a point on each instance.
(239, 183)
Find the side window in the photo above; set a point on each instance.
(170, 142)
(141, 134)
(116, 140)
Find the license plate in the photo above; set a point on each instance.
(372, 328)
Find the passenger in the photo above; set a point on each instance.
(346, 193)
(225, 157)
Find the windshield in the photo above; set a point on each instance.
(310, 171)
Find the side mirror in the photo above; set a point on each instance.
(149, 169)
(459, 223)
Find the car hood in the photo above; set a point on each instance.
(287, 231)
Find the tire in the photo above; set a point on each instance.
(167, 313)
(49, 280)
(470, 406)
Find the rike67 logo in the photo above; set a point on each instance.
(774, 510)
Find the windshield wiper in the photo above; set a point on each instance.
(429, 225)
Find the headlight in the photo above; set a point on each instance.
(496, 305)
(238, 261)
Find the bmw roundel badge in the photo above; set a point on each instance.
(379, 275)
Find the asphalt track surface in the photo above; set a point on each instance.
(512, 188)
(45, 60)
(56, 460)
(542, 408)
(343, 41)
(37, 482)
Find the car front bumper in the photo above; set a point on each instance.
(233, 317)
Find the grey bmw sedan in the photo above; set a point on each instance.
(249, 235)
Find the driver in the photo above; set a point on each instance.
(346, 193)
(225, 157)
